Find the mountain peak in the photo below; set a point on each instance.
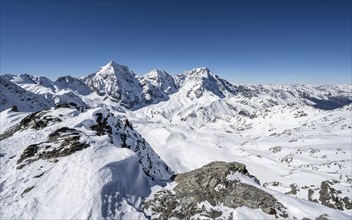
(113, 63)
(113, 68)
(118, 82)
(201, 72)
(206, 69)
(157, 73)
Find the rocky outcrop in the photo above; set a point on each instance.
(228, 184)
(36, 120)
(121, 133)
(332, 198)
(62, 142)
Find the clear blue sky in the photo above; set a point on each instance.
(241, 41)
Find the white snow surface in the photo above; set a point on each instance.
(101, 181)
(12, 94)
(286, 135)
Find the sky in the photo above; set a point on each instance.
(284, 41)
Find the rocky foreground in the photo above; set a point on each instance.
(216, 183)
(218, 190)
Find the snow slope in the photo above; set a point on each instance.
(296, 139)
(64, 91)
(11, 95)
(157, 86)
(63, 158)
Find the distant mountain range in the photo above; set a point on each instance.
(120, 85)
(114, 145)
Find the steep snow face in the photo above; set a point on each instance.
(72, 84)
(54, 160)
(157, 86)
(118, 83)
(200, 80)
(12, 95)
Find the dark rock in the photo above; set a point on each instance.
(30, 151)
(36, 120)
(102, 127)
(37, 176)
(14, 108)
(27, 190)
(329, 197)
(294, 189)
(310, 194)
(211, 183)
(68, 140)
(322, 217)
(275, 149)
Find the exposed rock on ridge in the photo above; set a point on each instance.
(224, 183)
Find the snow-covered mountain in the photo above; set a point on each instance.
(36, 84)
(200, 80)
(202, 98)
(13, 95)
(286, 148)
(72, 84)
(157, 86)
(65, 90)
(118, 83)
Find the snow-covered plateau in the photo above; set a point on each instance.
(114, 145)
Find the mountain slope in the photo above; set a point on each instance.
(58, 159)
(13, 95)
(295, 139)
(200, 80)
(35, 84)
(157, 86)
(72, 84)
(64, 91)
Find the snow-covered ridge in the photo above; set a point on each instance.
(121, 85)
(89, 160)
(13, 95)
(83, 152)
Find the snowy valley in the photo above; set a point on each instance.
(114, 145)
